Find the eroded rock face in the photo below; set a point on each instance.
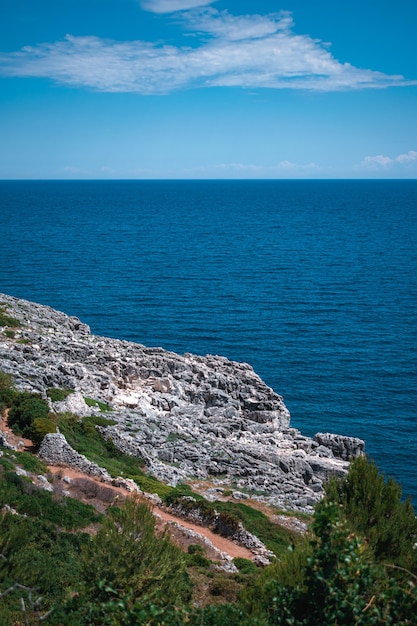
(188, 416)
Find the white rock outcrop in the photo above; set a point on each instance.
(188, 416)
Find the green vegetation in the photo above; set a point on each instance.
(7, 392)
(29, 462)
(58, 395)
(357, 566)
(101, 405)
(7, 320)
(374, 509)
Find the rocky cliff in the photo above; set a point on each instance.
(188, 416)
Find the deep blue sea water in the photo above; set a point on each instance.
(314, 283)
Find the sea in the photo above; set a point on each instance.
(314, 283)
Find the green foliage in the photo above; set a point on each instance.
(181, 491)
(9, 333)
(7, 320)
(195, 556)
(275, 537)
(30, 462)
(26, 407)
(374, 509)
(58, 395)
(40, 557)
(150, 484)
(227, 524)
(19, 493)
(101, 405)
(7, 392)
(126, 560)
(83, 436)
(245, 566)
(40, 427)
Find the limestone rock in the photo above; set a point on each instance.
(187, 416)
(346, 448)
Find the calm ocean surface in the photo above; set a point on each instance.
(314, 283)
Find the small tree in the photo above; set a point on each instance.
(374, 509)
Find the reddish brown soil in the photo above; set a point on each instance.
(100, 495)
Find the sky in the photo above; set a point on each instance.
(157, 89)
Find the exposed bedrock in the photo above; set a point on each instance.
(188, 416)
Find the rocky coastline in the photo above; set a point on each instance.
(189, 417)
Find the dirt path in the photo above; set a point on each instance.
(92, 490)
(102, 495)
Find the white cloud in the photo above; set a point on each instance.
(411, 155)
(379, 161)
(234, 51)
(171, 6)
(385, 162)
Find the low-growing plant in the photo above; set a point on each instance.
(275, 537)
(7, 320)
(30, 462)
(101, 405)
(245, 566)
(58, 395)
(196, 556)
(7, 391)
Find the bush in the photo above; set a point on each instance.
(25, 409)
(96, 403)
(41, 426)
(245, 566)
(227, 524)
(196, 556)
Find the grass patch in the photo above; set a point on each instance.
(273, 536)
(31, 463)
(7, 320)
(83, 436)
(96, 403)
(20, 493)
(58, 395)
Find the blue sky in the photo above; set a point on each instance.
(208, 89)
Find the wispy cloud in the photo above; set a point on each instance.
(257, 51)
(171, 6)
(282, 169)
(380, 161)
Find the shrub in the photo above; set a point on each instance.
(245, 566)
(196, 556)
(41, 426)
(25, 409)
(126, 560)
(227, 524)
